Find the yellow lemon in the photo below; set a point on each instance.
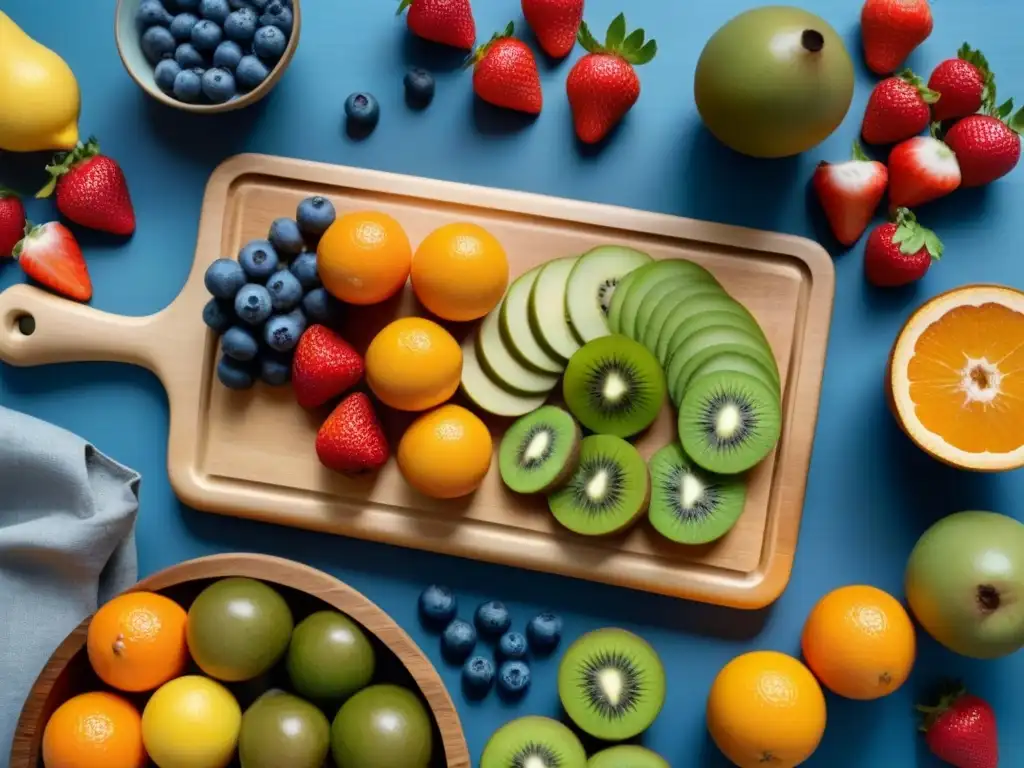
(445, 453)
(413, 364)
(191, 722)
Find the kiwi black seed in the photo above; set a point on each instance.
(614, 386)
(612, 684)
(540, 451)
(689, 505)
(729, 421)
(533, 742)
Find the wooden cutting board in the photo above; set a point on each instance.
(251, 454)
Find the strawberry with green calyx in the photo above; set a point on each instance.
(961, 730)
(12, 221)
(448, 22)
(964, 83)
(898, 108)
(900, 252)
(50, 255)
(603, 86)
(987, 145)
(850, 192)
(505, 73)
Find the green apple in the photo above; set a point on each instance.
(965, 583)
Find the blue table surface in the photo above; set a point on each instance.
(870, 494)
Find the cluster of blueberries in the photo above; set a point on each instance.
(263, 301)
(438, 608)
(213, 49)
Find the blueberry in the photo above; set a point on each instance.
(187, 5)
(188, 86)
(239, 343)
(182, 24)
(224, 278)
(321, 307)
(188, 57)
(278, 15)
(315, 215)
(157, 43)
(219, 85)
(437, 606)
(282, 332)
(492, 619)
(252, 304)
(458, 641)
(227, 55)
(477, 677)
(286, 238)
(513, 679)
(285, 290)
(362, 110)
(165, 73)
(206, 35)
(304, 268)
(512, 646)
(251, 72)
(239, 4)
(259, 260)
(218, 315)
(275, 368)
(152, 13)
(269, 43)
(234, 374)
(215, 10)
(419, 87)
(240, 25)
(544, 633)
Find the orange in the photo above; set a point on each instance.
(136, 642)
(460, 272)
(445, 453)
(954, 380)
(860, 642)
(364, 257)
(766, 708)
(413, 364)
(94, 730)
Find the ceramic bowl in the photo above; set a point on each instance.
(126, 33)
(306, 590)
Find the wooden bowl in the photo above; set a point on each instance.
(127, 35)
(68, 673)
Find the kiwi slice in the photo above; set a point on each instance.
(540, 451)
(618, 299)
(627, 756)
(612, 684)
(591, 285)
(516, 329)
(734, 361)
(667, 304)
(501, 365)
(715, 317)
(647, 277)
(729, 421)
(688, 505)
(614, 386)
(676, 287)
(706, 343)
(692, 308)
(549, 319)
(486, 393)
(533, 742)
(609, 490)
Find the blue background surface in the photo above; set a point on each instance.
(871, 493)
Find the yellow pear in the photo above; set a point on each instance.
(39, 96)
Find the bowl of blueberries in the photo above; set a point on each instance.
(207, 56)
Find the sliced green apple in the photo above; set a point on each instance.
(516, 330)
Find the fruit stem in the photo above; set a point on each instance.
(951, 692)
(118, 646)
(65, 161)
(812, 40)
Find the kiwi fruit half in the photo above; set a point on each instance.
(614, 386)
(609, 490)
(534, 742)
(691, 308)
(649, 276)
(539, 452)
(612, 684)
(729, 421)
(689, 505)
(627, 756)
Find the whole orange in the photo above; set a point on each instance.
(460, 272)
(364, 257)
(445, 453)
(860, 642)
(94, 730)
(136, 642)
(413, 364)
(766, 708)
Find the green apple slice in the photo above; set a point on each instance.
(655, 275)
(515, 327)
(654, 324)
(591, 286)
(501, 365)
(548, 318)
(486, 394)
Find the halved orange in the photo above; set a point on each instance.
(956, 378)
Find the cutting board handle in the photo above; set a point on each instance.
(39, 328)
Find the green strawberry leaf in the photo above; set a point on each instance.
(1003, 110)
(616, 33)
(7, 192)
(645, 54)
(858, 152)
(402, 6)
(587, 40)
(911, 237)
(1016, 122)
(634, 42)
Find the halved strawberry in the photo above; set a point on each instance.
(49, 254)
(921, 169)
(850, 192)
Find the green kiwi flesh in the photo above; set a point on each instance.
(539, 452)
(704, 344)
(534, 742)
(614, 386)
(693, 308)
(729, 422)
(618, 299)
(666, 305)
(612, 684)
(608, 492)
(733, 361)
(627, 756)
(666, 285)
(689, 505)
(650, 275)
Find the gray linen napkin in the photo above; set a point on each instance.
(67, 544)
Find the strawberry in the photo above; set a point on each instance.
(850, 192)
(12, 221)
(921, 169)
(897, 109)
(351, 439)
(900, 251)
(324, 367)
(49, 254)
(505, 73)
(987, 146)
(603, 86)
(964, 84)
(961, 730)
(891, 29)
(448, 22)
(555, 24)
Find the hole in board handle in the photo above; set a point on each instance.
(25, 324)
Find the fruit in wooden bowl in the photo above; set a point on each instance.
(208, 686)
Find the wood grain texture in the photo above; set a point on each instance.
(251, 454)
(67, 673)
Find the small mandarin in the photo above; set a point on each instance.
(94, 730)
(364, 257)
(446, 453)
(413, 364)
